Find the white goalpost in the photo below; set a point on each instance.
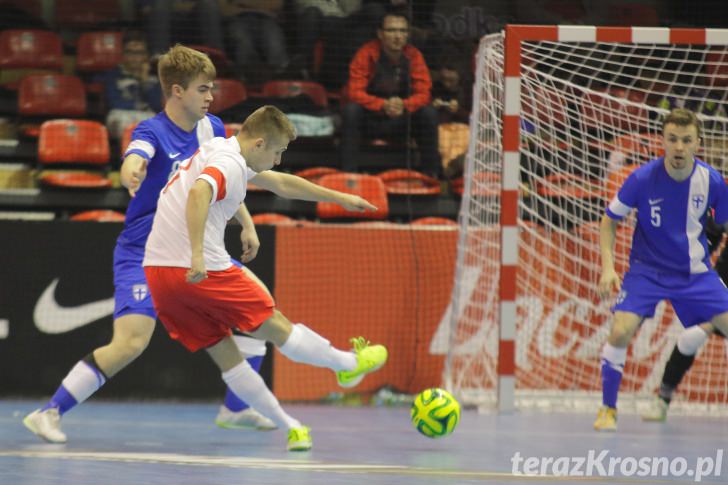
(561, 115)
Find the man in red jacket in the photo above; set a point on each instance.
(389, 87)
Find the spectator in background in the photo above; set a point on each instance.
(450, 96)
(182, 21)
(257, 37)
(452, 100)
(132, 90)
(389, 87)
(341, 25)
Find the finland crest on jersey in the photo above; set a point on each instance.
(669, 234)
(139, 292)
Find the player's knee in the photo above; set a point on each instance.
(134, 345)
(621, 335)
(276, 329)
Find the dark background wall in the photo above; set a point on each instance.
(32, 362)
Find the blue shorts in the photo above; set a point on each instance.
(131, 293)
(696, 298)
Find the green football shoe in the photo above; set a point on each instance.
(299, 439)
(368, 359)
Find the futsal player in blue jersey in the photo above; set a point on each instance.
(669, 258)
(157, 146)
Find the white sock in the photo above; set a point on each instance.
(691, 339)
(250, 387)
(615, 356)
(306, 346)
(82, 381)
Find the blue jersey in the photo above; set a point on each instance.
(669, 235)
(164, 145)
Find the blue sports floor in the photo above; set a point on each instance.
(149, 443)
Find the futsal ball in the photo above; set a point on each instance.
(435, 413)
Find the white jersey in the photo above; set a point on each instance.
(219, 163)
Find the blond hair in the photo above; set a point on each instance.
(681, 117)
(181, 65)
(268, 121)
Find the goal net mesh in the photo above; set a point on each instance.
(590, 113)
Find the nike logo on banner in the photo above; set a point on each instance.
(172, 155)
(50, 317)
(655, 201)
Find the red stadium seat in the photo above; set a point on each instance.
(617, 178)
(366, 186)
(568, 185)
(126, 137)
(51, 95)
(231, 129)
(99, 216)
(485, 184)
(30, 49)
(640, 147)
(272, 218)
(285, 89)
(434, 221)
(75, 180)
(400, 181)
(318, 56)
(75, 142)
(98, 51)
(227, 93)
(314, 174)
(88, 15)
(596, 110)
(544, 106)
(717, 67)
(604, 111)
(218, 57)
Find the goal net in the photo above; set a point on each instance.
(561, 116)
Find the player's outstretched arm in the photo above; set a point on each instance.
(198, 204)
(293, 187)
(607, 235)
(248, 236)
(133, 172)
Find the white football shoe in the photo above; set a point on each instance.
(46, 424)
(246, 419)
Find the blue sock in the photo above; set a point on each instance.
(233, 402)
(613, 359)
(62, 400)
(611, 378)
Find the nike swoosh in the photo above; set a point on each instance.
(172, 155)
(52, 318)
(655, 201)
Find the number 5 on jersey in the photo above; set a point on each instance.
(655, 215)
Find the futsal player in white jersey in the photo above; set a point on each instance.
(157, 146)
(200, 295)
(669, 258)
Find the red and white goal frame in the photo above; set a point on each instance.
(560, 115)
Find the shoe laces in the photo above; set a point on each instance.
(359, 343)
(298, 434)
(54, 416)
